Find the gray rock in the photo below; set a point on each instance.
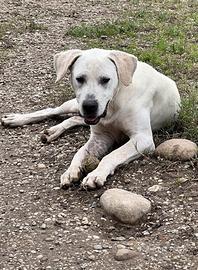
(92, 257)
(98, 247)
(125, 206)
(177, 149)
(155, 188)
(41, 166)
(119, 238)
(43, 226)
(125, 254)
(85, 221)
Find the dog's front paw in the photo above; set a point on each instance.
(73, 174)
(13, 120)
(93, 180)
(52, 133)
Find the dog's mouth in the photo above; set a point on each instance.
(89, 120)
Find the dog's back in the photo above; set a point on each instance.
(159, 92)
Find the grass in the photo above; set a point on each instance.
(163, 34)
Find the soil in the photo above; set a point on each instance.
(45, 227)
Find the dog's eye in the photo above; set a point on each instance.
(104, 80)
(80, 79)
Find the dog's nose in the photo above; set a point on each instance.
(90, 106)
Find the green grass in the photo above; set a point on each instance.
(125, 27)
(189, 115)
(163, 34)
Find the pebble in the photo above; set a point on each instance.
(127, 180)
(41, 166)
(124, 206)
(120, 246)
(92, 257)
(84, 265)
(33, 223)
(95, 237)
(119, 238)
(145, 233)
(177, 149)
(125, 254)
(49, 239)
(39, 257)
(43, 226)
(98, 247)
(155, 188)
(85, 221)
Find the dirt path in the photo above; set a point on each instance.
(43, 227)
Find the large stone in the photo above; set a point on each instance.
(177, 149)
(124, 206)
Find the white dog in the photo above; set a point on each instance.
(120, 97)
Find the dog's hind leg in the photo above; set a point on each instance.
(55, 131)
(20, 119)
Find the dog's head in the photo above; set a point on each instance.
(95, 76)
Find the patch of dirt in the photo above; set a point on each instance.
(43, 227)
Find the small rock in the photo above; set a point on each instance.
(83, 266)
(127, 181)
(56, 260)
(98, 247)
(105, 246)
(39, 257)
(125, 206)
(92, 257)
(56, 188)
(103, 37)
(41, 166)
(145, 233)
(177, 149)
(125, 254)
(119, 238)
(48, 220)
(85, 221)
(119, 246)
(33, 223)
(43, 226)
(182, 180)
(95, 237)
(49, 239)
(155, 188)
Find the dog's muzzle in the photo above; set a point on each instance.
(90, 113)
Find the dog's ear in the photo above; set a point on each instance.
(63, 61)
(126, 64)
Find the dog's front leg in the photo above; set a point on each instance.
(20, 119)
(97, 146)
(133, 149)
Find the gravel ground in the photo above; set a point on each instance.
(43, 227)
